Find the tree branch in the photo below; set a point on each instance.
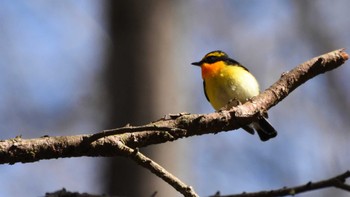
(125, 141)
(155, 168)
(169, 128)
(337, 181)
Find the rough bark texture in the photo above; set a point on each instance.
(169, 128)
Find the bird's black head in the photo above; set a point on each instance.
(212, 57)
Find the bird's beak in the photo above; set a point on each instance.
(196, 63)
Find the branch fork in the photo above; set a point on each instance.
(125, 141)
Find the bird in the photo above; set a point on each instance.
(228, 83)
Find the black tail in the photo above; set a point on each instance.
(264, 129)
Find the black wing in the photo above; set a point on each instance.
(205, 92)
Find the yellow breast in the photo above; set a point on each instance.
(228, 83)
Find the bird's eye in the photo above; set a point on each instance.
(211, 59)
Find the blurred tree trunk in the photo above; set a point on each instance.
(132, 78)
(126, 86)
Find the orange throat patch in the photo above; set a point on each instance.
(210, 70)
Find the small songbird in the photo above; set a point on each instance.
(228, 83)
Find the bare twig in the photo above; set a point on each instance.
(64, 193)
(337, 181)
(169, 128)
(155, 168)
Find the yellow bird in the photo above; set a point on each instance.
(228, 83)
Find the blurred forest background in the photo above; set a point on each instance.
(77, 67)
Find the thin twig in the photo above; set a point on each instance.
(337, 181)
(155, 168)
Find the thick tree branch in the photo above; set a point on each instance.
(337, 181)
(169, 128)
